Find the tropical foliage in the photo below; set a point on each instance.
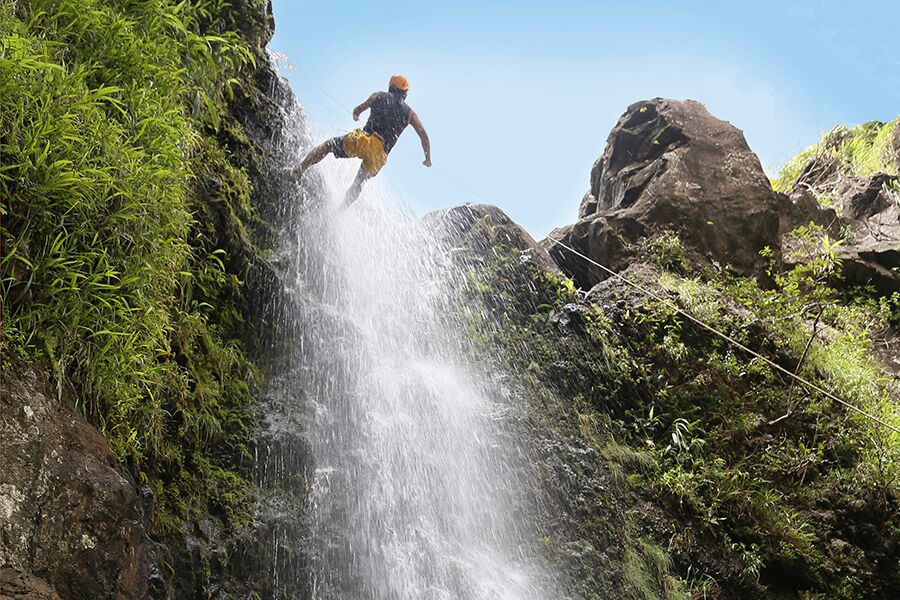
(108, 121)
(766, 484)
(861, 151)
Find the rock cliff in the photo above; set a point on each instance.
(676, 465)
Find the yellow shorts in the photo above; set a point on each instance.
(359, 144)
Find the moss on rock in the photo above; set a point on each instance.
(727, 479)
(128, 231)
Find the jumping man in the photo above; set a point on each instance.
(389, 116)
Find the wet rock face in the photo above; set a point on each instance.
(671, 165)
(68, 514)
(15, 585)
(461, 221)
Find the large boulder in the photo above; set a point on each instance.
(69, 514)
(671, 165)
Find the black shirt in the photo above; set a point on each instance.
(388, 117)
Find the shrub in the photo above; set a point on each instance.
(106, 109)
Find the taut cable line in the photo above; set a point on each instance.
(726, 337)
(440, 170)
(668, 302)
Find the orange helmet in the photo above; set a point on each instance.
(399, 82)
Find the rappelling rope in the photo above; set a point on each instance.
(341, 105)
(725, 336)
(667, 301)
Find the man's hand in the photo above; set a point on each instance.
(420, 129)
(364, 106)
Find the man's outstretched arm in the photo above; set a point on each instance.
(420, 129)
(364, 106)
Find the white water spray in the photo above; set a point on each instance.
(414, 481)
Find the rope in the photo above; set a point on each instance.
(726, 337)
(443, 173)
(669, 302)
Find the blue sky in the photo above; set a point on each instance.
(519, 97)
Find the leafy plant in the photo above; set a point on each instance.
(667, 252)
(862, 151)
(108, 118)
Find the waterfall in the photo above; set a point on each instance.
(415, 483)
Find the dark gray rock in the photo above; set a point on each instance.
(802, 208)
(455, 223)
(570, 316)
(866, 197)
(871, 231)
(874, 263)
(866, 216)
(605, 238)
(588, 206)
(671, 165)
(69, 513)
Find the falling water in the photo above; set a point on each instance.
(415, 476)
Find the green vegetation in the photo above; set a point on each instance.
(764, 483)
(667, 252)
(862, 151)
(779, 470)
(648, 570)
(112, 275)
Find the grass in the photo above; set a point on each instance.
(742, 463)
(861, 151)
(647, 568)
(109, 273)
(667, 251)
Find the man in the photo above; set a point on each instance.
(389, 116)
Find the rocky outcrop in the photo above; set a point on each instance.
(624, 515)
(865, 215)
(671, 165)
(69, 513)
(458, 222)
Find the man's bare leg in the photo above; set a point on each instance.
(355, 188)
(314, 156)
